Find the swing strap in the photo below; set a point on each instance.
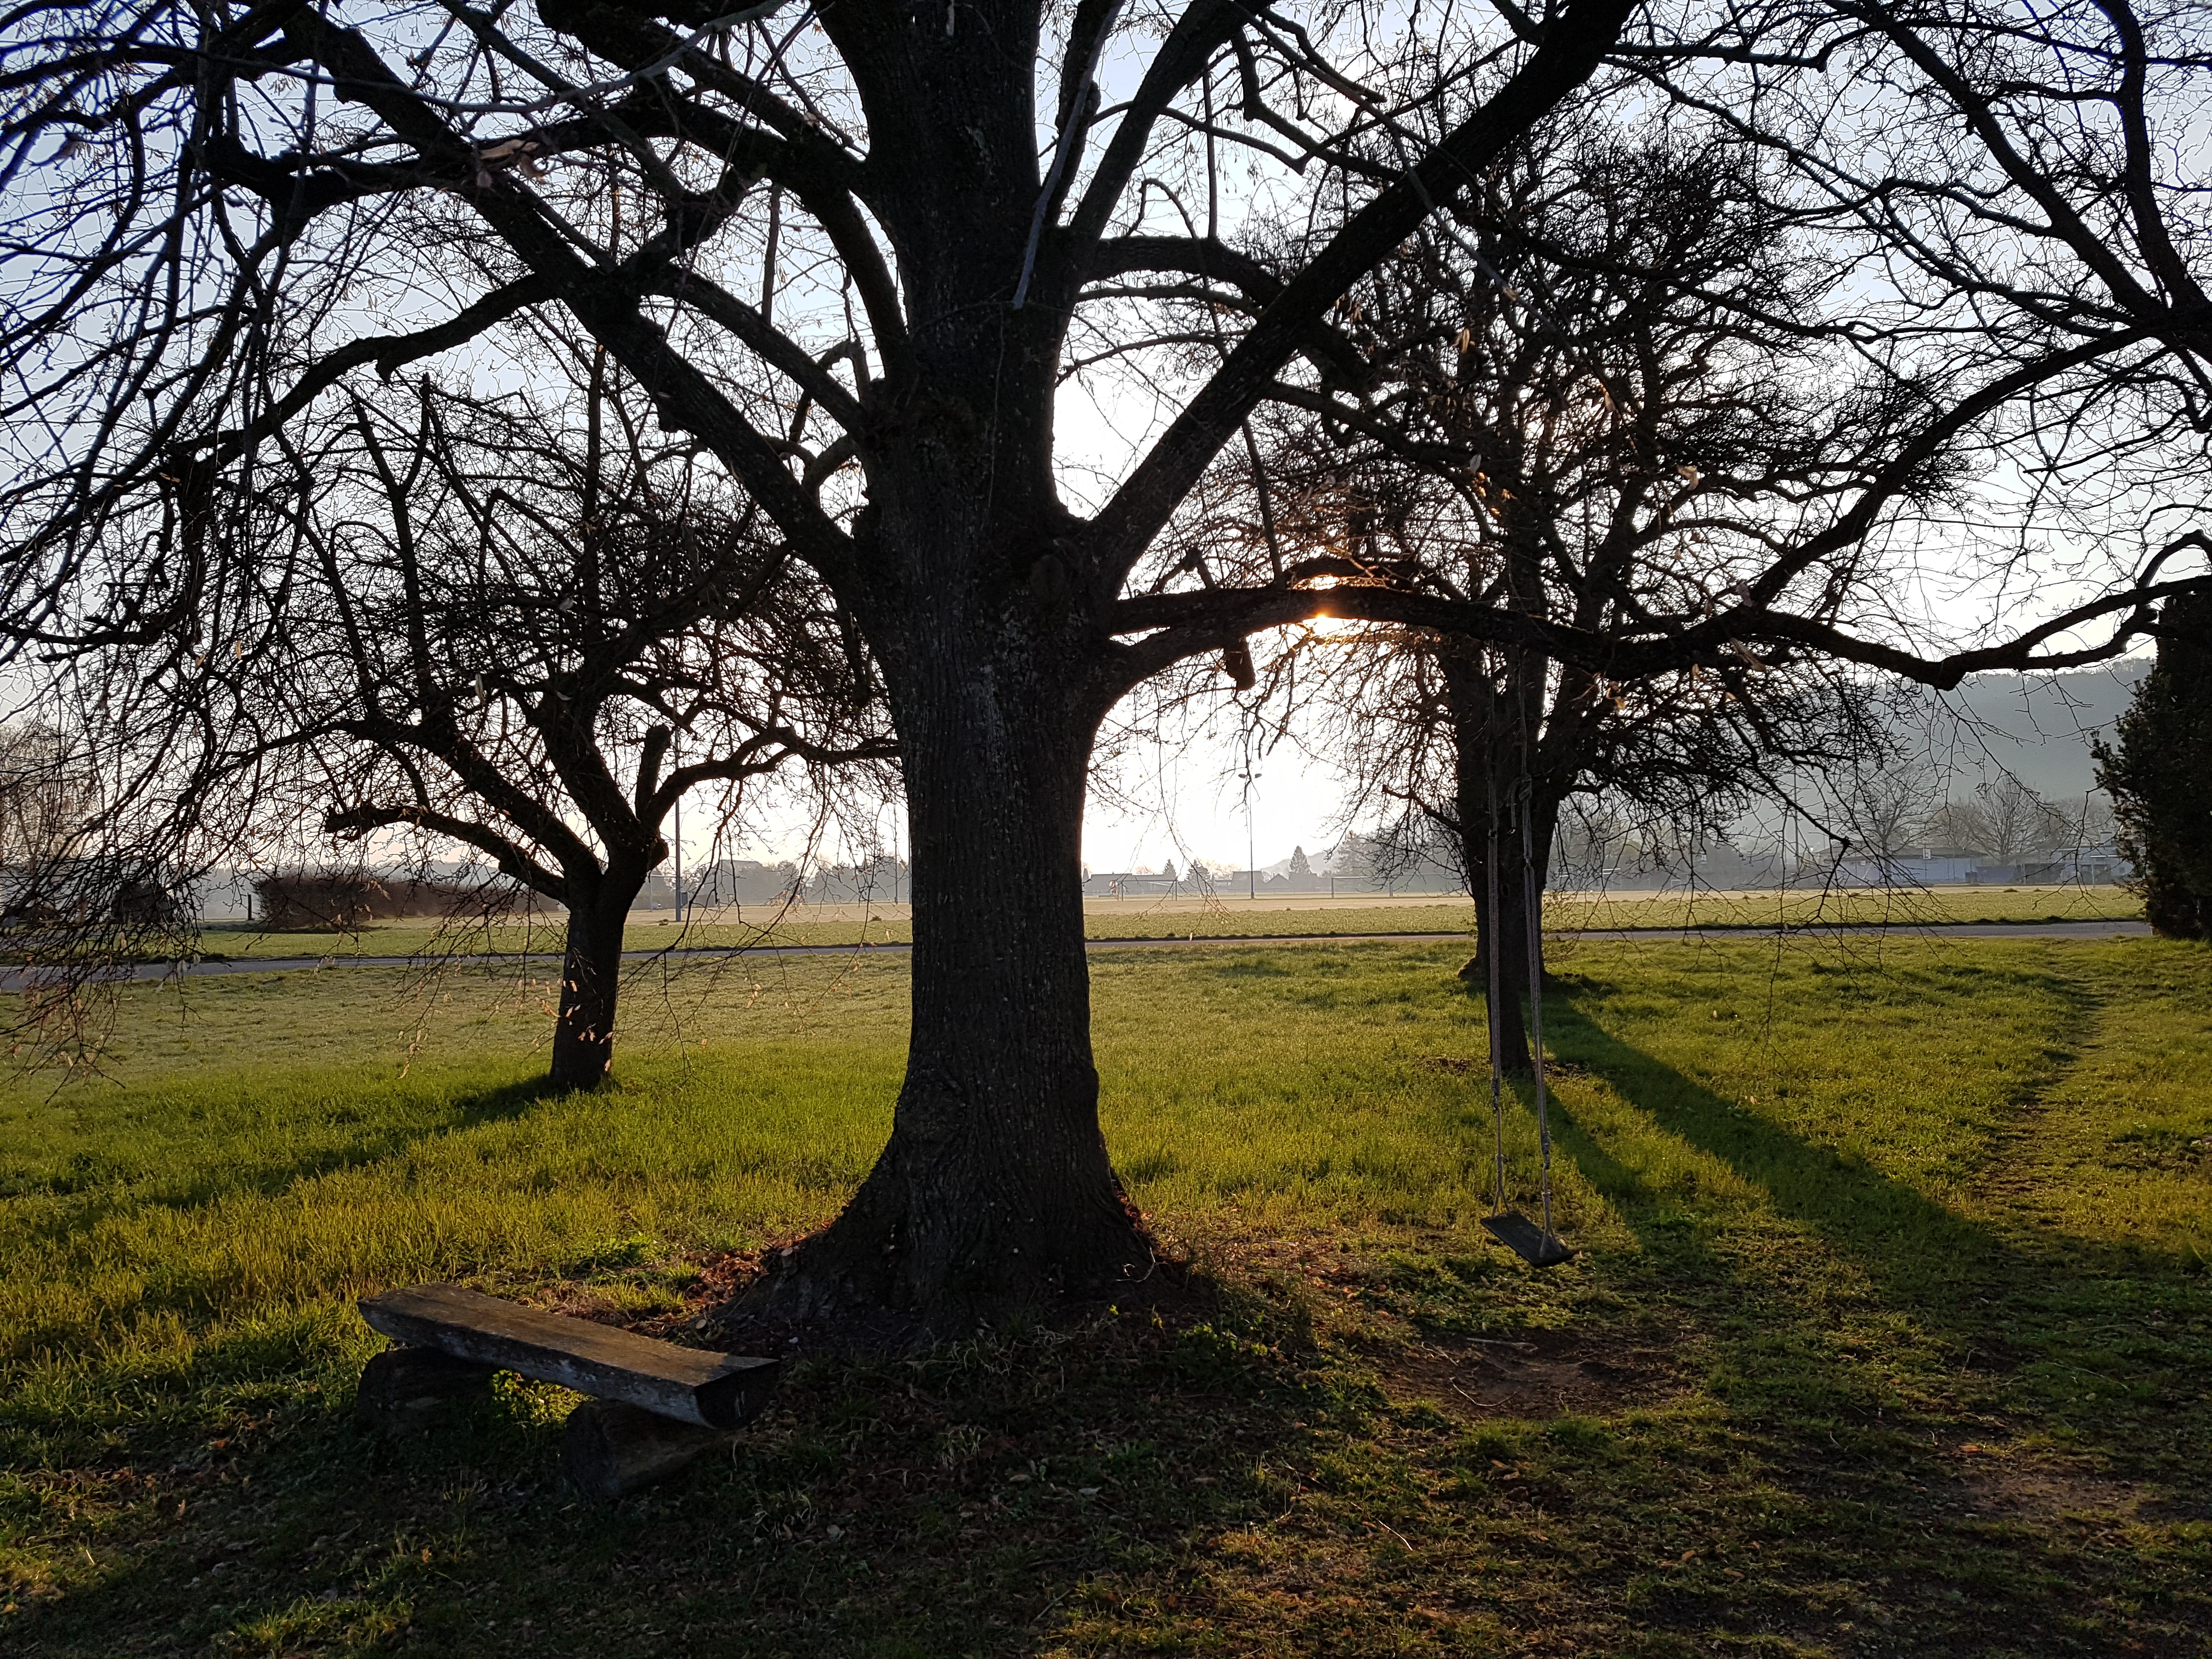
(1539, 1246)
(1532, 916)
(1491, 999)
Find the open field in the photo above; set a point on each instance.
(1892, 1332)
(1310, 916)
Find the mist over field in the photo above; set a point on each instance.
(2037, 727)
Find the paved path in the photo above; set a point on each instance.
(14, 979)
(2101, 929)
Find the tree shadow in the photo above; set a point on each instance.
(953, 1499)
(1999, 1300)
(1671, 1241)
(1135, 1484)
(1916, 1249)
(1028, 1492)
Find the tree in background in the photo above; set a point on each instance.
(46, 803)
(2002, 821)
(1886, 809)
(469, 623)
(229, 217)
(2009, 822)
(1609, 397)
(2088, 818)
(2158, 771)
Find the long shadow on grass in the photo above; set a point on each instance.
(2009, 1299)
(965, 1502)
(1918, 1251)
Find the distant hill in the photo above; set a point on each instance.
(2037, 727)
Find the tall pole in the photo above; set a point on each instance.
(1251, 842)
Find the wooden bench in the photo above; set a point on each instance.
(655, 1406)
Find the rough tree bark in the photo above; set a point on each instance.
(1490, 766)
(590, 981)
(1509, 929)
(995, 1188)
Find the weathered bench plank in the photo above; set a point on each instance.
(715, 1390)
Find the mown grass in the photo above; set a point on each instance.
(1891, 1331)
(1237, 917)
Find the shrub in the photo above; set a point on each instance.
(298, 900)
(2159, 773)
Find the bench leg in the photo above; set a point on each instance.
(404, 1390)
(610, 1449)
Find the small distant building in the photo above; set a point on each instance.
(2085, 867)
(1928, 868)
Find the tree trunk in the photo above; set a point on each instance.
(1507, 930)
(1488, 767)
(994, 1192)
(591, 979)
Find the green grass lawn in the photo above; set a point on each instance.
(1239, 918)
(1891, 1331)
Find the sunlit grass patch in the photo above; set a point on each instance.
(1892, 1313)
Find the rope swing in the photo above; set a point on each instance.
(1540, 1247)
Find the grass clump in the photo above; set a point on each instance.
(1891, 1331)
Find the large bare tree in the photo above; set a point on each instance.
(1615, 396)
(843, 249)
(2024, 196)
(520, 627)
(531, 642)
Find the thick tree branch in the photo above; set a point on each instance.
(1204, 28)
(773, 347)
(687, 401)
(1210, 258)
(762, 753)
(1190, 623)
(511, 859)
(1575, 44)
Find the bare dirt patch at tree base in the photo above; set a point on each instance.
(2001, 1483)
(716, 1313)
(1540, 1374)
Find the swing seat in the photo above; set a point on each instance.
(1527, 1240)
